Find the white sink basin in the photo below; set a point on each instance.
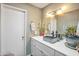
(51, 39)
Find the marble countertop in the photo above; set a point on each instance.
(59, 46)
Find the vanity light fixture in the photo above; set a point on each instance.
(59, 12)
(50, 14)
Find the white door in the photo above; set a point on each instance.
(13, 31)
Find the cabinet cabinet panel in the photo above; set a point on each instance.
(40, 49)
(35, 51)
(47, 51)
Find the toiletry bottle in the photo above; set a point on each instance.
(52, 33)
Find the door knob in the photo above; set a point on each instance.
(22, 37)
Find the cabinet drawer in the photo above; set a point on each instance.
(47, 50)
(36, 51)
(58, 53)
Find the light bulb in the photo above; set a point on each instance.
(59, 12)
(64, 8)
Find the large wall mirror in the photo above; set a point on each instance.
(68, 19)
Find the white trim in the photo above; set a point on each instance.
(25, 24)
(9, 6)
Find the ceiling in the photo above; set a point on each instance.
(40, 5)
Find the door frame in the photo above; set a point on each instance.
(25, 23)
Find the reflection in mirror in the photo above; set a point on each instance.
(77, 31)
(67, 20)
(52, 26)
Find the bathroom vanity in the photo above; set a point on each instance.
(39, 47)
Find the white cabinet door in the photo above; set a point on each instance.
(35, 51)
(41, 49)
(48, 51)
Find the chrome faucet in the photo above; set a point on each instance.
(54, 35)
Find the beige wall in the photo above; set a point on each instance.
(34, 14)
(62, 21)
